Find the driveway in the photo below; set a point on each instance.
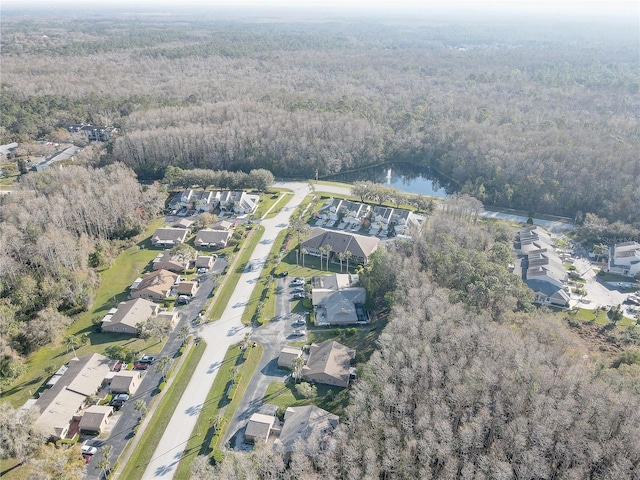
(599, 293)
(273, 337)
(219, 335)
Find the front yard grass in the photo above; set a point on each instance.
(267, 200)
(145, 449)
(114, 282)
(279, 204)
(600, 317)
(332, 399)
(217, 403)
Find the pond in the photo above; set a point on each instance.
(405, 177)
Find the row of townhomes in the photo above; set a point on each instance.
(624, 259)
(237, 201)
(65, 408)
(376, 220)
(216, 237)
(541, 267)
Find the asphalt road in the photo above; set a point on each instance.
(127, 417)
(219, 335)
(273, 337)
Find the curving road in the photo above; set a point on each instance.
(219, 335)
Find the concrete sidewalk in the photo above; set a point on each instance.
(219, 336)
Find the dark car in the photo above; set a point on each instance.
(87, 458)
(140, 366)
(297, 290)
(118, 400)
(298, 296)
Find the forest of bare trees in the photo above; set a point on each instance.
(536, 116)
(456, 391)
(54, 230)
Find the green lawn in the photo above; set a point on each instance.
(113, 289)
(144, 450)
(217, 403)
(265, 288)
(234, 274)
(332, 399)
(266, 201)
(600, 317)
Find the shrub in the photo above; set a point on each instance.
(628, 357)
(350, 332)
(337, 332)
(217, 456)
(161, 386)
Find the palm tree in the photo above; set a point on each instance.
(296, 366)
(347, 256)
(300, 229)
(184, 333)
(140, 406)
(163, 365)
(327, 248)
(103, 465)
(303, 252)
(72, 342)
(600, 250)
(340, 256)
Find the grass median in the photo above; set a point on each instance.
(233, 276)
(146, 447)
(219, 404)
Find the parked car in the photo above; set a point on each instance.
(88, 450)
(298, 296)
(147, 359)
(183, 300)
(297, 290)
(202, 270)
(87, 458)
(118, 400)
(118, 366)
(299, 323)
(299, 333)
(140, 366)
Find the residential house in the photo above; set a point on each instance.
(259, 428)
(625, 259)
(287, 356)
(126, 381)
(223, 225)
(188, 288)
(360, 246)
(238, 201)
(166, 261)
(329, 363)
(58, 405)
(127, 315)
(169, 236)
(95, 419)
(338, 299)
(205, 261)
(382, 215)
(154, 285)
(210, 238)
(66, 154)
(540, 267)
(310, 426)
(93, 133)
(183, 223)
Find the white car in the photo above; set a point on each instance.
(299, 333)
(88, 450)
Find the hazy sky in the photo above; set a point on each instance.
(575, 7)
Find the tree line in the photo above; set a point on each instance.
(258, 179)
(55, 229)
(519, 117)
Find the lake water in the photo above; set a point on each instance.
(404, 177)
